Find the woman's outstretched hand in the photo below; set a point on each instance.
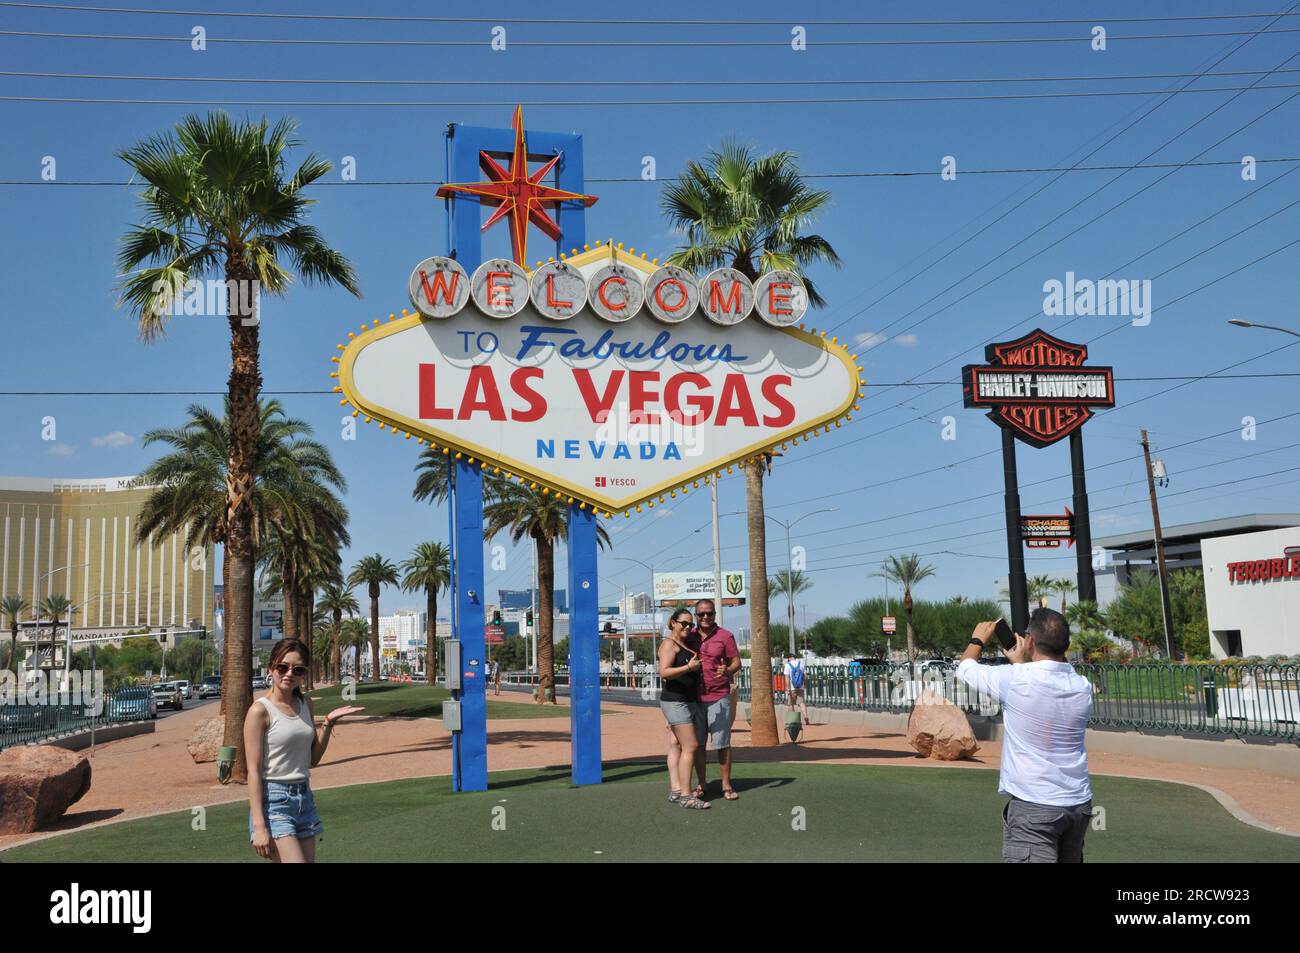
(339, 713)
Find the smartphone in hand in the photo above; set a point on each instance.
(1006, 638)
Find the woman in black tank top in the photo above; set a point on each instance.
(679, 666)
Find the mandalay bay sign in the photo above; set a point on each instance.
(607, 379)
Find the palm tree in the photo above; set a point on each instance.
(355, 633)
(748, 212)
(190, 485)
(427, 569)
(1065, 587)
(53, 605)
(336, 599)
(1039, 588)
(373, 572)
(544, 518)
(789, 583)
(13, 607)
(906, 572)
(220, 203)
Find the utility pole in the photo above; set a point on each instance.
(717, 550)
(1165, 609)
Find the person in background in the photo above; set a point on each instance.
(795, 678)
(1045, 710)
(679, 667)
(721, 661)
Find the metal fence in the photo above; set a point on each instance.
(1242, 700)
(22, 724)
(1237, 699)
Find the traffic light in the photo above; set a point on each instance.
(528, 618)
(496, 616)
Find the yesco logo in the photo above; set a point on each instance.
(77, 906)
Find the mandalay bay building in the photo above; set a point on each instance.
(76, 537)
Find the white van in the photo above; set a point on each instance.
(184, 686)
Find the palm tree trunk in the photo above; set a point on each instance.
(431, 635)
(545, 621)
(762, 704)
(911, 640)
(289, 587)
(243, 388)
(308, 605)
(225, 589)
(336, 650)
(374, 633)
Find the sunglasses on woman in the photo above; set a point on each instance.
(298, 670)
(683, 621)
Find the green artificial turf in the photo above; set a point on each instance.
(396, 699)
(787, 812)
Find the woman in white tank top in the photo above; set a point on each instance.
(283, 746)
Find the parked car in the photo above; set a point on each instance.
(169, 695)
(210, 687)
(132, 704)
(15, 718)
(186, 689)
(261, 681)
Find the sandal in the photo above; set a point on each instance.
(730, 794)
(699, 792)
(674, 797)
(693, 803)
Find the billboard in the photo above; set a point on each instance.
(674, 587)
(602, 377)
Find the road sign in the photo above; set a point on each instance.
(888, 623)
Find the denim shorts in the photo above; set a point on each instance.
(290, 811)
(682, 713)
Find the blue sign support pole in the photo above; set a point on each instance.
(469, 749)
(469, 745)
(584, 647)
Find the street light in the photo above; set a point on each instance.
(1271, 327)
(654, 613)
(789, 578)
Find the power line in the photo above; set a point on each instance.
(297, 81)
(1096, 218)
(585, 103)
(1226, 55)
(634, 21)
(330, 393)
(1081, 39)
(911, 173)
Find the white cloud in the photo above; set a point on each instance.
(61, 450)
(871, 339)
(907, 340)
(115, 438)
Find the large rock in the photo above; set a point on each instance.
(37, 784)
(206, 740)
(939, 729)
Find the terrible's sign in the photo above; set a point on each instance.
(1037, 387)
(602, 377)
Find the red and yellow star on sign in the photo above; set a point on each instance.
(517, 195)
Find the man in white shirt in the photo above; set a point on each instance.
(1045, 711)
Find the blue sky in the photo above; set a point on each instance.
(58, 243)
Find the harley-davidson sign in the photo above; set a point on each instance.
(1037, 387)
(603, 378)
